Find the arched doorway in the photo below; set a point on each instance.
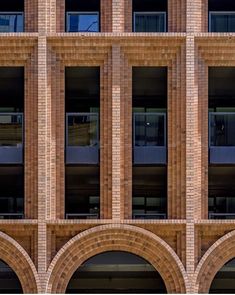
(224, 280)
(116, 272)
(9, 282)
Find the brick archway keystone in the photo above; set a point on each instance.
(18, 259)
(215, 257)
(117, 237)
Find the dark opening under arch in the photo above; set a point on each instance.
(116, 272)
(9, 282)
(224, 281)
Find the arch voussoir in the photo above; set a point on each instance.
(213, 260)
(113, 238)
(18, 259)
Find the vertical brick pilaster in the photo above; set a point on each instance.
(106, 139)
(193, 146)
(128, 15)
(202, 82)
(197, 16)
(118, 16)
(31, 144)
(31, 15)
(106, 15)
(193, 160)
(176, 137)
(116, 133)
(59, 20)
(177, 16)
(43, 155)
(126, 138)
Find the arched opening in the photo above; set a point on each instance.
(9, 282)
(116, 272)
(224, 281)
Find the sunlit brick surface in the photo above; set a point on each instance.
(44, 249)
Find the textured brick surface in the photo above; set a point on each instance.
(187, 249)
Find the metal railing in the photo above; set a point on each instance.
(149, 129)
(11, 130)
(213, 215)
(11, 22)
(11, 216)
(149, 216)
(221, 129)
(82, 21)
(82, 129)
(82, 215)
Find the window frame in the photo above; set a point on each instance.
(81, 13)
(218, 13)
(149, 13)
(14, 13)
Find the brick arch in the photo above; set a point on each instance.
(118, 237)
(216, 256)
(18, 259)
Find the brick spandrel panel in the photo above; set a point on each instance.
(186, 249)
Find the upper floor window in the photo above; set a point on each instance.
(221, 16)
(82, 16)
(11, 16)
(149, 16)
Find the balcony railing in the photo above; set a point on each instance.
(82, 138)
(82, 216)
(11, 138)
(213, 215)
(149, 138)
(150, 216)
(222, 21)
(149, 21)
(11, 22)
(11, 216)
(222, 137)
(82, 21)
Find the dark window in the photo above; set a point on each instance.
(221, 15)
(82, 192)
(149, 193)
(116, 272)
(221, 192)
(9, 282)
(149, 16)
(12, 192)
(224, 281)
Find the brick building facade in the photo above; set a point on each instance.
(187, 249)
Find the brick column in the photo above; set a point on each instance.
(31, 134)
(126, 137)
(177, 16)
(31, 15)
(106, 139)
(44, 172)
(197, 16)
(116, 133)
(118, 16)
(193, 159)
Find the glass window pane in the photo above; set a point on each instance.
(11, 22)
(83, 22)
(231, 23)
(11, 130)
(152, 22)
(82, 130)
(219, 23)
(222, 129)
